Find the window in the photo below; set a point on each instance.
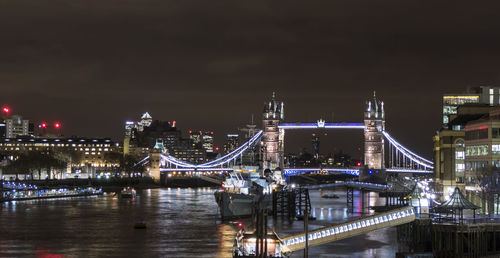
(495, 149)
(460, 155)
(491, 96)
(477, 134)
(495, 132)
(460, 167)
(476, 150)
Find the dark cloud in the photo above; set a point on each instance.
(211, 64)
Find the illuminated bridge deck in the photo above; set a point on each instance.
(321, 124)
(348, 229)
(299, 171)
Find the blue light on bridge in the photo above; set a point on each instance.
(297, 171)
(321, 125)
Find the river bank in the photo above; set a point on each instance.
(107, 185)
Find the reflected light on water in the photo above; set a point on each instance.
(180, 223)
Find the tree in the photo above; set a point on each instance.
(114, 158)
(128, 164)
(488, 181)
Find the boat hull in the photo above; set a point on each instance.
(233, 205)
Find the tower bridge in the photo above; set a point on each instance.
(271, 139)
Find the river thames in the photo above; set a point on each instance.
(181, 223)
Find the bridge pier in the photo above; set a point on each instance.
(350, 199)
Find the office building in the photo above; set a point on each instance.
(474, 95)
(17, 126)
(232, 143)
(208, 141)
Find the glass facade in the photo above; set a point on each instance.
(451, 102)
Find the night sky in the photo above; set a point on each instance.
(211, 64)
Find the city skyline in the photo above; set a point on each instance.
(83, 67)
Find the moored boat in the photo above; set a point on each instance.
(128, 192)
(242, 191)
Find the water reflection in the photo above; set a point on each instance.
(181, 223)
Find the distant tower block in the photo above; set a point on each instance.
(272, 139)
(374, 140)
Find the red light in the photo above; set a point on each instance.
(43, 125)
(358, 164)
(211, 132)
(57, 125)
(190, 131)
(6, 110)
(313, 134)
(326, 134)
(217, 148)
(240, 224)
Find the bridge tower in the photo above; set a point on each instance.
(374, 141)
(155, 161)
(273, 137)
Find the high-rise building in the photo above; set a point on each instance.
(474, 95)
(16, 126)
(195, 136)
(208, 141)
(146, 120)
(188, 151)
(232, 143)
(132, 131)
(203, 138)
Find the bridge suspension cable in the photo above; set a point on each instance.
(406, 154)
(219, 161)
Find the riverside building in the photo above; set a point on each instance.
(90, 155)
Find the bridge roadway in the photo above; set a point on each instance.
(348, 229)
(351, 171)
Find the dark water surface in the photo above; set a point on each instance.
(181, 223)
